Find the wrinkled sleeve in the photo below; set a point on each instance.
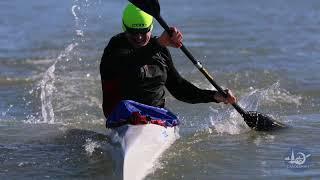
(182, 89)
(109, 79)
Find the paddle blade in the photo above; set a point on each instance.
(262, 122)
(151, 7)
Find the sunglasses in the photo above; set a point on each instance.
(135, 31)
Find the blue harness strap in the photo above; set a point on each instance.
(127, 111)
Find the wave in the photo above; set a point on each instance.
(7, 81)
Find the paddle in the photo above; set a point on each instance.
(254, 120)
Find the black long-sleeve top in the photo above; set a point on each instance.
(141, 74)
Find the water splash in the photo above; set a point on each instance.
(78, 10)
(75, 8)
(47, 87)
(271, 95)
(57, 89)
(90, 146)
(5, 112)
(231, 122)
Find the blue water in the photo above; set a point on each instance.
(52, 125)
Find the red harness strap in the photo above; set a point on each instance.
(138, 119)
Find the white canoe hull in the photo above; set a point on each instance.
(142, 145)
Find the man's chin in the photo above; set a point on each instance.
(138, 45)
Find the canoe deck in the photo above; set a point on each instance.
(142, 145)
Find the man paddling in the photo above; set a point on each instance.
(137, 66)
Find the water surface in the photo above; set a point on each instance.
(52, 125)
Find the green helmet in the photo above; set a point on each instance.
(135, 20)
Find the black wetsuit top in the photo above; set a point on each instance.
(143, 73)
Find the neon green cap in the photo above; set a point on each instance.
(136, 20)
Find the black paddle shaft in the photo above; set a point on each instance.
(200, 67)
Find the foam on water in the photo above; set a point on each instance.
(90, 146)
(231, 122)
